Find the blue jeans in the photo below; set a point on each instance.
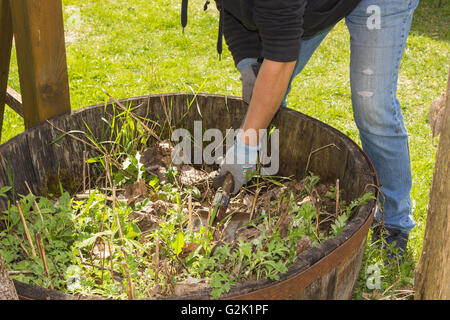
(376, 54)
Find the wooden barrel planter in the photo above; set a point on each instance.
(328, 271)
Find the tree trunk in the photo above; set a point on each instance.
(433, 270)
(7, 290)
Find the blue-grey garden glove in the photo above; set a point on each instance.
(249, 68)
(241, 161)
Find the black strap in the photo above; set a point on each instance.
(184, 20)
(184, 11)
(220, 36)
(205, 7)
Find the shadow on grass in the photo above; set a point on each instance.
(432, 21)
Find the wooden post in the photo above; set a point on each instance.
(432, 279)
(6, 35)
(41, 58)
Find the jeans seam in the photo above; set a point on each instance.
(397, 111)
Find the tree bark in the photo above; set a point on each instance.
(433, 270)
(7, 290)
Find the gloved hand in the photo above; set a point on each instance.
(241, 161)
(249, 69)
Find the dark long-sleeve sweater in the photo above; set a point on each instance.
(274, 29)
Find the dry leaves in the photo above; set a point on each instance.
(157, 159)
(303, 244)
(102, 251)
(190, 285)
(191, 176)
(136, 192)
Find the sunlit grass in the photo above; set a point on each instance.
(132, 48)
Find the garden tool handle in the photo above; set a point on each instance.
(224, 199)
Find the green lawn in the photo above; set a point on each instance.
(132, 48)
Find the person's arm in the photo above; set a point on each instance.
(241, 159)
(270, 88)
(279, 25)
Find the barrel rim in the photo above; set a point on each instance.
(306, 259)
